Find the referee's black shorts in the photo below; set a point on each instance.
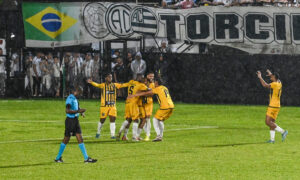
(72, 127)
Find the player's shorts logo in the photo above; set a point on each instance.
(51, 22)
(94, 20)
(144, 21)
(118, 20)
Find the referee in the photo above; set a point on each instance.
(72, 127)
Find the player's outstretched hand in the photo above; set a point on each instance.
(269, 72)
(89, 81)
(83, 115)
(258, 74)
(81, 110)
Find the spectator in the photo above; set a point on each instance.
(75, 71)
(88, 71)
(56, 76)
(2, 73)
(128, 66)
(185, 4)
(120, 71)
(50, 58)
(246, 2)
(16, 72)
(29, 73)
(161, 68)
(96, 75)
(163, 48)
(47, 71)
(113, 61)
(138, 66)
(66, 72)
(36, 64)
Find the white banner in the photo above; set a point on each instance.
(257, 30)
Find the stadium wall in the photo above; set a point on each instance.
(229, 79)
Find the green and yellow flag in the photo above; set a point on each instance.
(50, 22)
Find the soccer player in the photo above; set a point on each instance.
(108, 103)
(148, 105)
(131, 108)
(72, 127)
(166, 106)
(274, 106)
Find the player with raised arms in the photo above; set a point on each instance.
(108, 103)
(166, 106)
(72, 127)
(274, 106)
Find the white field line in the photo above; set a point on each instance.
(49, 139)
(81, 122)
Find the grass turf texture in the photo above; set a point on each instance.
(234, 150)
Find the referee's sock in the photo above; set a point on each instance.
(61, 150)
(83, 151)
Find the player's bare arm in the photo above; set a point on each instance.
(147, 93)
(262, 81)
(69, 111)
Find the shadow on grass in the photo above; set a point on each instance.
(26, 165)
(102, 142)
(227, 145)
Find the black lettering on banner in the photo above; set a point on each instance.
(282, 28)
(227, 21)
(255, 24)
(192, 26)
(170, 24)
(296, 28)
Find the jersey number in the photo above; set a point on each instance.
(131, 89)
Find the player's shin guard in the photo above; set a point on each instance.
(134, 129)
(61, 150)
(99, 127)
(148, 127)
(112, 129)
(125, 123)
(139, 131)
(161, 126)
(83, 151)
(155, 125)
(126, 132)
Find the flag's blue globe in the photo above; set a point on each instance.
(51, 22)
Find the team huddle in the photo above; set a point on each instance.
(138, 110)
(138, 106)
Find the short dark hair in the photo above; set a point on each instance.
(150, 72)
(107, 74)
(276, 75)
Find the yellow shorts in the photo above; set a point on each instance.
(163, 114)
(108, 111)
(142, 112)
(149, 109)
(132, 111)
(273, 112)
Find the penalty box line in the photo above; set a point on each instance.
(53, 139)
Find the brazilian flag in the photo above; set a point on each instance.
(50, 22)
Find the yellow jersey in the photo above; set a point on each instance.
(133, 88)
(108, 93)
(146, 99)
(275, 93)
(163, 97)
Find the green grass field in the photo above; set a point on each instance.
(200, 142)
